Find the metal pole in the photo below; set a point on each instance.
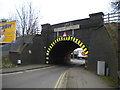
(57, 34)
(108, 18)
(73, 32)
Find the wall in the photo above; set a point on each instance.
(37, 55)
(14, 46)
(101, 49)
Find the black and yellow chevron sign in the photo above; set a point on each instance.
(69, 38)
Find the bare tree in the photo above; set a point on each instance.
(28, 20)
(115, 4)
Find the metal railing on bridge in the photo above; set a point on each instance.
(112, 17)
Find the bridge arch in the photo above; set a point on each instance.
(67, 39)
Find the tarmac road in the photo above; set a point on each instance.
(37, 78)
(54, 77)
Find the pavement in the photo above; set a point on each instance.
(80, 78)
(19, 68)
(23, 68)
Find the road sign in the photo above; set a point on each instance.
(64, 35)
(83, 53)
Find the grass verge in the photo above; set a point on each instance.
(6, 63)
(109, 79)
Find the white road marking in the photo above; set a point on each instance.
(26, 71)
(11, 73)
(39, 69)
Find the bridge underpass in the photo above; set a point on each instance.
(61, 52)
(50, 46)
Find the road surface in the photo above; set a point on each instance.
(53, 77)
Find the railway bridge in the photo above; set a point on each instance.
(57, 42)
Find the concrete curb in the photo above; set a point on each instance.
(5, 72)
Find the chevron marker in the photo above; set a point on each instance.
(85, 49)
(86, 52)
(83, 46)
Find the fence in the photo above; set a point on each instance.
(112, 17)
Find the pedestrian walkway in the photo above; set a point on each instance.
(80, 78)
(23, 68)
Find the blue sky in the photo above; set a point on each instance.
(56, 11)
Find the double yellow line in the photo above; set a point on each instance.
(60, 80)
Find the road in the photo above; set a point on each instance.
(54, 77)
(39, 78)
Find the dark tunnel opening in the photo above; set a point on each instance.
(61, 52)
